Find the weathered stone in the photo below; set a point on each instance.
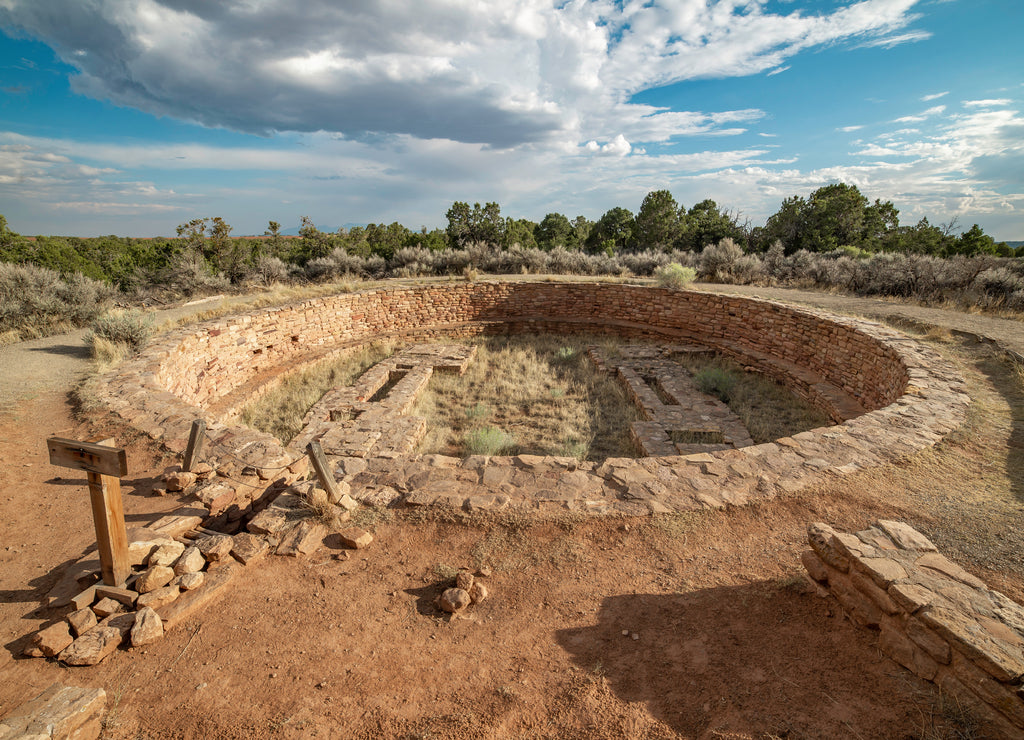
(58, 713)
(158, 597)
(304, 539)
(814, 567)
(190, 561)
(191, 602)
(819, 536)
(894, 644)
(93, 646)
(928, 641)
(215, 547)
(32, 651)
(860, 607)
(81, 621)
(179, 481)
(453, 600)
(148, 627)
(154, 578)
(995, 657)
(905, 536)
(348, 503)
(122, 595)
(464, 580)
(190, 581)
(911, 596)
(355, 538)
(882, 571)
(248, 547)
(870, 589)
(53, 639)
(937, 562)
(84, 599)
(139, 550)
(107, 606)
(478, 592)
(166, 554)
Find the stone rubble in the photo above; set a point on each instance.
(58, 713)
(932, 617)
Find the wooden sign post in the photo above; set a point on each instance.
(104, 464)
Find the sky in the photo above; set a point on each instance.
(130, 117)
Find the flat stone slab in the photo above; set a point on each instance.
(58, 713)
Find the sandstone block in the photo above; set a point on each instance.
(53, 639)
(158, 597)
(148, 627)
(247, 547)
(93, 646)
(464, 580)
(305, 539)
(215, 547)
(190, 561)
(894, 644)
(911, 596)
(928, 641)
(179, 481)
(859, 606)
(123, 595)
(107, 606)
(819, 536)
(477, 593)
(814, 567)
(156, 577)
(905, 537)
(355, 538)
(58, 713)
(190, 581)
(166, 554)
(81, 621)
(868, 587)
(882, 571)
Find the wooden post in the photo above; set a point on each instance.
(195, 444)
(103, 465)
(323, 471)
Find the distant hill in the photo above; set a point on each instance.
(1013, 245)
(326, 229)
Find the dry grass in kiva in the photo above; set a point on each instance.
(280, 411)
(528, 394)
(768, 409)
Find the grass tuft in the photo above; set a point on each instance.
(488, 441)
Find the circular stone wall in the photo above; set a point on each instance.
(888, 394)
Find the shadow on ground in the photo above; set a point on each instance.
(765, 659)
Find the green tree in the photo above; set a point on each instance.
(973, 241)
(706, 224)
(519, 231)
(314, 243)
(555, 230)
(658, 225)
(474, 225)
(613, 231)
(581, 227)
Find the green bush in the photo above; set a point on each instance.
(674, 275)
(488, 441)
(716, 381)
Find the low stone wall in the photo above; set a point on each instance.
(892, 395)
(934, 618)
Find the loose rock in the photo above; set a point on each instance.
(464, 580)
(355, 538)
(191, 581)
(82, 621)
(478, 592)
(53, 639)
(107, 606)
(166, 554)
(454, 599)
(158, 597)
(215, 547)
(191, 561)
(93, 646)
(180, 481)
(147, 628)
(154, 578)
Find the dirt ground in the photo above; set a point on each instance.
(693, 626)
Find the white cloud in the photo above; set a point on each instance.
(888, 42)
(994, 103)
(502, 73)
(922, 116)
(933, 96)
(849, 129)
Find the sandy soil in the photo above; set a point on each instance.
(729, 641)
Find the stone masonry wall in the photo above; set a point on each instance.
(891, 395)
(933, 617)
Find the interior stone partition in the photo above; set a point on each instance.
(888, 394)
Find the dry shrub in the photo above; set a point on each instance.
(35, 301)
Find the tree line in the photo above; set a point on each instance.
(833, 217)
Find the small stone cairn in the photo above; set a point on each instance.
(933, 617)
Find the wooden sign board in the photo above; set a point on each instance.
(88, 456)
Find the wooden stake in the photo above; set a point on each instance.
(195, 444)
(323, 471)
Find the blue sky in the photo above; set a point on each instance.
(133, 117)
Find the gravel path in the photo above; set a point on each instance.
(55, 364)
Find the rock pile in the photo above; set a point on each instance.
(467, 590)
(933, 617)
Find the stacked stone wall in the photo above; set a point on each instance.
(932, 617)
(892, 395)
